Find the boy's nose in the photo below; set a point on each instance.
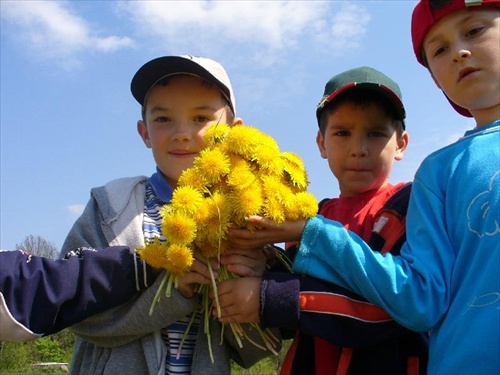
(462, 54)
(181, 131)
(359, 149)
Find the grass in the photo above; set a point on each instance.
(268, 366)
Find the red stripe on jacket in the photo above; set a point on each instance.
(328, 303)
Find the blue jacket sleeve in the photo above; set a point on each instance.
(41, 296)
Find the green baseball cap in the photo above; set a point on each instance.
(363, 78)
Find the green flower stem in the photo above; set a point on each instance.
(171, 280)
(206, 327)
(223, 328)
(158, 292)
(284, 260)
(184, 336)
(236, 334)
(267, 339)
(214, 287)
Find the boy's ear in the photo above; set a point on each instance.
(142, 129)
(320, 141)
(401, 146)
(238, 121)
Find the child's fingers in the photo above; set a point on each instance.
(261, 222)
(201, 268)
(246, 262)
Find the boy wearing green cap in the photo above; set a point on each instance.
(361, 134)
(447, 277)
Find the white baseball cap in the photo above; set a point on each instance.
(155, 70)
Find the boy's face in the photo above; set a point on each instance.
(176, 118)
(361, 144)
(463, 54)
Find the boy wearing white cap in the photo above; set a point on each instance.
(180, 96)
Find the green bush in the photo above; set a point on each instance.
(17, 358)
(14, 357)
(47, 349)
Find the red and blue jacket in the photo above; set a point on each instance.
(337, 331)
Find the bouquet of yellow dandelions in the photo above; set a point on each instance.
(241, 172)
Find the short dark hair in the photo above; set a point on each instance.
(361, 97)
(166, 80)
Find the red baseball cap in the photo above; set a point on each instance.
(424, 18)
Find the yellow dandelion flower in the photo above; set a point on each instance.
(242, 140)
(247, 202)
(266, 158)
(179, 228)
(275, 189)
(193, 178)
(241, 175)
(304, 206)
(296, 176)
(274, 210)
(270, 183)
(307, 203)
(295, 170)
(154, 253)
(180, 259)
(186, 199)
(213, 164)
(218, 222)
(220, 187)
(203, 212)
(292, 158)
(215, 134)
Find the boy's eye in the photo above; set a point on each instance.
(161, 119)
(474, 31)
(201, 119)
(438, 51)
(377, 134)
(341, 133)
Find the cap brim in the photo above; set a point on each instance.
(154, 70)
(381, 89)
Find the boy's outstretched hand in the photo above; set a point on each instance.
(267, 232)
(239, 300)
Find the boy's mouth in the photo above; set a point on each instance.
(359, 169)
(465, 72)
(183, 153)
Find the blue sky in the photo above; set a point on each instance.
(68, 120)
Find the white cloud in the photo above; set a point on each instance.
(264, 26)
(75, 209)
(266, 29)
(349, 26)
(53, 31)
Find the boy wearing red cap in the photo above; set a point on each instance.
(447, 277)
(361, 134)
(180, 97)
